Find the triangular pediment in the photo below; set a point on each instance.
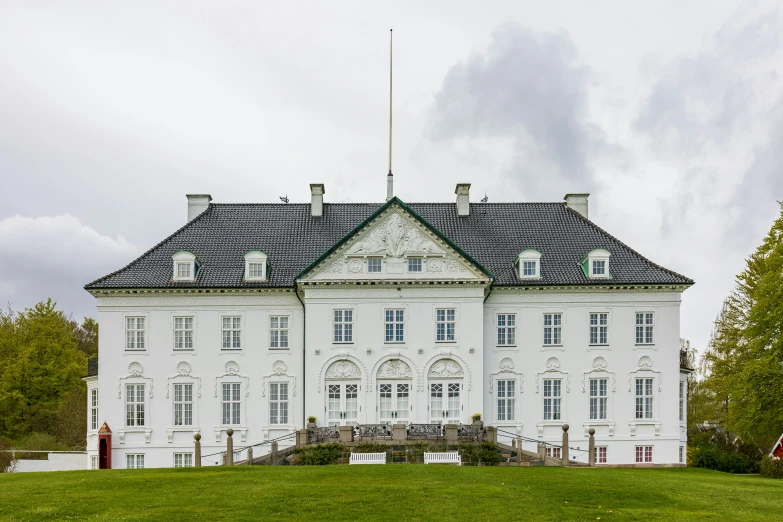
(389, 239)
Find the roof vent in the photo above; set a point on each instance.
(463, 199)
(197, 203)
(577, 203)
(317, 199)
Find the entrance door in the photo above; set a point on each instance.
(445, 402)
(342, 407)
(103, 455)
(393, 402)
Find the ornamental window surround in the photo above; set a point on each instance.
(278, 403)
(135, 406)
(183, 404)
(645, 328)
(644, 397)
(596, 264)
(231, 403)
(599, 398)
(506, 400)
(529, 264)
(552, 399)
(256, 266)
(185, 266)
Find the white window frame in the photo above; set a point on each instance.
(415, 262)
(643, 454)
(682, 398)
(256, 257)
(683, 454)
(232, 400)
(553, 401)
(180, 332)
(371, 261)
(599, 459)
(135, 405)
(276, 342)
(556, 327)
(507, 399)
(183, 403)
(395, 323)
(595, 397)
(180, 259)
(94, 424)
(183, 460)
(529, 256)
(598, 255)
(276, 401)
(134, 461)
(647, 403)
(645, 328)
(598, 325)
(555, 453)
(233, 328)
(138, 334)
(94, 462)
(506, 328)
(445, 321)
(344, 327)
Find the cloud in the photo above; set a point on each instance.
(55, 257)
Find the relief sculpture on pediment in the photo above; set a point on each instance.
(394, 237)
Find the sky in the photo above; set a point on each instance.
(669, 113)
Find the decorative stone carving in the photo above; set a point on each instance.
(506, 364)
(446, 368)
(395, 369)
(183, 368)
(355, 266)
(433, 265)
(279, 367)
(393, 236)
(232, 368)
(334, 268)
(599, 364)
(553, 364)
(135, 369)
(343, 369)
(452, 265)
(645, 363)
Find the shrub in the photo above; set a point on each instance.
(772, 467)
(5, 457)
(710, 456)
(320, 455)
(484, 453)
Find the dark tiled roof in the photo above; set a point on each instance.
(493, 234)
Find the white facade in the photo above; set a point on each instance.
(424, 339)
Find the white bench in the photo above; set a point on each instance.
(368, 458)
(444, 457)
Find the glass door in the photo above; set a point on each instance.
(393, 402)
(342, 406)
(445, 402)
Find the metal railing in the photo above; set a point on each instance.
(372, 431)
(323, 434)
(424, 431)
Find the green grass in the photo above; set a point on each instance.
(392, 492)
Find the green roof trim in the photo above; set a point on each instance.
(406, 208)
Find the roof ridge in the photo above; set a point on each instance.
(383, 203)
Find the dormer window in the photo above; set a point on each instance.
(185, 265)
(529, 264)
(255, 266)
(596, 264)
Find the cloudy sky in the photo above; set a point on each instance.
(669, 114)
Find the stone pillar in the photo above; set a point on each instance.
(230, 447)
(591, 448)
(519, 449)
(492, 434)
(301, 438)
(249, 456)
(451, 434)
(273, 453)
(197, 453)
(399, 433)
(542, 451)
(346, 434)
(565, 445)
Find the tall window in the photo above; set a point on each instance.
(600, 454)
(183, 333)
(445, 321)
(183, 460)
(278, 403)
(135, 333)
(255, 270)
(374, 264)
(682, 401)
(599, 268)
(598, 399)
(644, 454)
(552, 399)
(231, 403)
(183, 405)
(134, 405)
(414, 264)
(644, 398)
(553, 326)
(232, 333)
(134, 460)
(506, 400)
(94, 409)
(645, 324)
(528, 268)
(599, 328)
(94, 462)
(507, 329)
(183, 271)
(395, 326)
(278, 331)
(343, 326)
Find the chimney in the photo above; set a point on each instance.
(197, 203)
(389, 186)
(317, 199)
(463, 199)
(577, 203)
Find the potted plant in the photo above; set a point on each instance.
(477, 419)
(311, 421)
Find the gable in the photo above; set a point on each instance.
(391, 237)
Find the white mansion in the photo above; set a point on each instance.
(255, 316)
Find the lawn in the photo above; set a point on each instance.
(392, 492)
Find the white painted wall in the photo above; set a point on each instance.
(59, 461)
